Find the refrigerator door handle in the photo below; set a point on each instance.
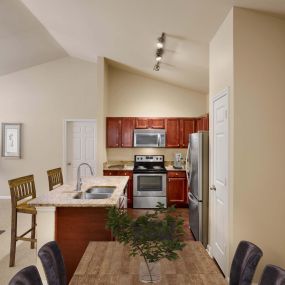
(187, 166)
(192, 198)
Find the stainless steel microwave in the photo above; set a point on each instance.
(149, 138)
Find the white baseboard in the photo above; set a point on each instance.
(5, 197)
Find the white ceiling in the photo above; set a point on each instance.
(24, 42)
(125, 31)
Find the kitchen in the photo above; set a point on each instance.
(68, 88)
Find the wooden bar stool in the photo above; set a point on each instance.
(54, 178)
(22, 190)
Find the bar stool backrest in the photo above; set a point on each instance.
(54, 178)
(22, 188)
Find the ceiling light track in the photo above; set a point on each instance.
(159, 51)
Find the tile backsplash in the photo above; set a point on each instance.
(127, 154)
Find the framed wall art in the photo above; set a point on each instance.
(11, 140)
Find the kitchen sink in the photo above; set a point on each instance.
(101, 190)
(89, 196)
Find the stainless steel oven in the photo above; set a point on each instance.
(149, 184)
(149, 181)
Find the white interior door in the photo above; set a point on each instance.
(80, 147)
(220, 179)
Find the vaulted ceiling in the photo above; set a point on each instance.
(125, 31)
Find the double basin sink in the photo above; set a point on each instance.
(96, 192)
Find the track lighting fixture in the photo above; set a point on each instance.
(159, 51)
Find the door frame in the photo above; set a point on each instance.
(64, 147)
(222, 93)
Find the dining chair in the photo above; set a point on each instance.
(272, 275)
(53, 263)
(55, 178)
(244, 263)
(27, 276)
(22, 190)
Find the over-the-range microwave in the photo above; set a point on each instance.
(149, 137)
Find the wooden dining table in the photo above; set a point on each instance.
(110, 263)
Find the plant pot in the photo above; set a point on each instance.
(149, 272)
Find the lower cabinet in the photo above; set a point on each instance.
(130, 182)
(177, 188)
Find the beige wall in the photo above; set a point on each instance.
(259, 186)
(41, 97)
(247, 54)
(221, 76)
(135, 95)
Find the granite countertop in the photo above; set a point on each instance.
(63, 195)
(171, 168)
(119, 165)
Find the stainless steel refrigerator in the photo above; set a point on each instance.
(197, 167)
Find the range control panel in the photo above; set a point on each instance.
(149, 158)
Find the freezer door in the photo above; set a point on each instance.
(195, 216)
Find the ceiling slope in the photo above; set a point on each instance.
(24, 42)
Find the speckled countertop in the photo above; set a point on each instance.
(63, 195)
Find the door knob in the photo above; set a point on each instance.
(68, 163)
(213, 188)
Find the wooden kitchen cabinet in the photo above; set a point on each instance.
(202, 123)
(150, 123)
(120, 132)
(130, 182)
(141, 123)
(187, 127)
(113, 126)
(127, 132)
(172, 132)
(177, 188)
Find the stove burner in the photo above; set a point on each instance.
(157, 167)
(141, 167)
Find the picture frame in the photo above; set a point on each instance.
(11, 140)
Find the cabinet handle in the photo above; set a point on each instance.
(122, 144)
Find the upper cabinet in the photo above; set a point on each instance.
(128, 125)
(203, 123)
(172, 132)
(187, 127)
(113, 126)
(120, 131)
(150, 123)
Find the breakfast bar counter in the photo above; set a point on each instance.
(74, 218)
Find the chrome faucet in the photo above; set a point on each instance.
(79, 180)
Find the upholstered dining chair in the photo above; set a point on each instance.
(55, 178)
(272, 275)
(22, 190)
(244, 263)
(53, 263)
(27, 276)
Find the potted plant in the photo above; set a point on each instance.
(153, 236)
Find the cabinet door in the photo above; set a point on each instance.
(176, 193)
(202, 123)
(172, 133)
(113, 132)
(187, 127)
(156, 123)
(142, 123)
(128, 125)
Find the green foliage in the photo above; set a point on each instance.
(154, 236)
